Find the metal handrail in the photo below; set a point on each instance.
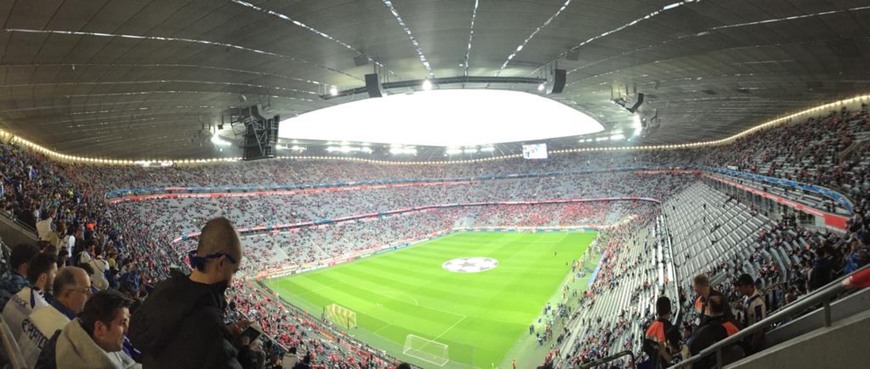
(770, 288)
(821, 296)
(607, 360)
(10, 347)
(676, 275)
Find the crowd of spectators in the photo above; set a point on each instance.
(93, 231)
(812, 150)
(610, 315)
(127, 247)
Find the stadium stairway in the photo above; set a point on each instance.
(613, 303)
(718, 234)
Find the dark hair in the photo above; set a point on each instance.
(744, 280)
(21, 254)
(102, 307)
(49, 249)
(404, 366)
(87, 267)
(717, 304)
(663, 306)
(62, 260)
(39, 265)
(701, 280)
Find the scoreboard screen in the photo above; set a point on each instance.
(535, 151)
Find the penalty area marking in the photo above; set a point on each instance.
(396, 296)
(451, 327)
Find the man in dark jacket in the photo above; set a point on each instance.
(716, 328)
(181, 324)
(657, 344)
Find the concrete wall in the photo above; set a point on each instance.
(13, 234)
(841, 309)
(844, 345)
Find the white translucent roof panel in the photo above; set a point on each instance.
(443, 118)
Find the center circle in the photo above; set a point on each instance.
(469, 265)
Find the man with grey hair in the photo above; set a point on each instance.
(71, 288)
(181, 324)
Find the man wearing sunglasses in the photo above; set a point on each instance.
(181, 324)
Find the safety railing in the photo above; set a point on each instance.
(608, 359)
(676, 315)
(821, 297)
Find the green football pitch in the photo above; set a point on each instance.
(479, 316)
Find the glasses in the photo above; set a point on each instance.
(85, 290)
(193, 256)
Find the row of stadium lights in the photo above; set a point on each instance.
(90, 160)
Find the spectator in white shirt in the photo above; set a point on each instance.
(754, 310)
(40, 273)
(100, 267)
(44, 226)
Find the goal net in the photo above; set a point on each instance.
(427, 350)
(339, 315)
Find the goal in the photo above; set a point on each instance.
(340, 315)
(426, 350)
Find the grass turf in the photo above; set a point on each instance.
(479, 315)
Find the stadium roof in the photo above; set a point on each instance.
(127, 79)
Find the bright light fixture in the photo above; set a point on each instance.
(453, 151)
(218, 141)
(636, 124)
(671, 6)
(348, 149)
(333, 90)
(427, 85)
(403, 151)
(541, 87)
(447, 118)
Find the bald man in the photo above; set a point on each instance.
(181, 324)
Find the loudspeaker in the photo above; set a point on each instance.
(373, 86)
(573, 55)
(273, 130)
(637, 103)
(559, 76)
(261, 136)
(360, 60)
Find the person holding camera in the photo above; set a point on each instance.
(181, 324)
